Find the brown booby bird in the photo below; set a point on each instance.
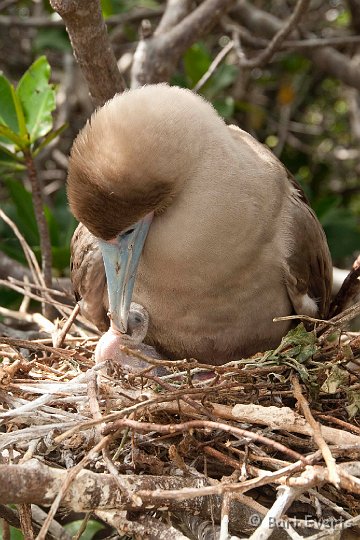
(196, 221)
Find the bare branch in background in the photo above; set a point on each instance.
(157, 56)
(264, 57)
(326, 59)
(49, 22)
(176, 11)
(92, 49)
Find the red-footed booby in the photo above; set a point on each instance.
(197, 222)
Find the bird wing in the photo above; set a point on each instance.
(88, 277)
(308, 267)
(306, 260)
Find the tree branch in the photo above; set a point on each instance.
(326, 59)
(156, 57)
(264, 57)
(91, 45)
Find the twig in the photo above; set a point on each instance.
(70, 476)
(214, 64)
(26, 300)
(306, 318)
(26, 521)
(202, 424)
(264, 57)
(82, 526)
(225, 511)
(46, 299)
(156, 57)
(61, 335)
(326, 59)
(319, 439)
(38, 202)
(36, 318)
(143, 527)
(286, 495)
(29, 254)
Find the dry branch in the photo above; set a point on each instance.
(91, 45)
(156, 57)
(326, 59)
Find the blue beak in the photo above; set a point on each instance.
(121, 258)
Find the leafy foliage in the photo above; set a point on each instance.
(26, 128)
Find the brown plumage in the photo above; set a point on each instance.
(233, 243)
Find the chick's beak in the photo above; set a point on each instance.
(121, 258)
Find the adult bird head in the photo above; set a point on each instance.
(120, 176)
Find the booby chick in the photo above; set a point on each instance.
(196, 221)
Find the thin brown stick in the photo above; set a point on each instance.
(339, 422)
(214, 64)
(6, 535)
(38, 202)
(319, 439)
(60, 338)
(29, 254)
(26, 521)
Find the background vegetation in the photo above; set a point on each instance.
(309, 119)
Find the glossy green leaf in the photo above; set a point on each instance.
(12, 155)
(25, 216)
(8, 116)
(37, 97)
(20, 114)
(9, 160)
(49, 137)
(11, 136)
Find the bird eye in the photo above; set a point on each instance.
(129, 231)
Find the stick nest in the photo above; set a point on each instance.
(266, 446)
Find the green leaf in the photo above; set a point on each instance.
(10, 135)
(8, 115)
(10, 160)
(51, 38)
(298, 336)
(20, 117)
(197, 60)
(37, 97)
(25, 216)
(49, 137)
(225, 106)
(12, 155)
(92, 528)
(223, 77)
